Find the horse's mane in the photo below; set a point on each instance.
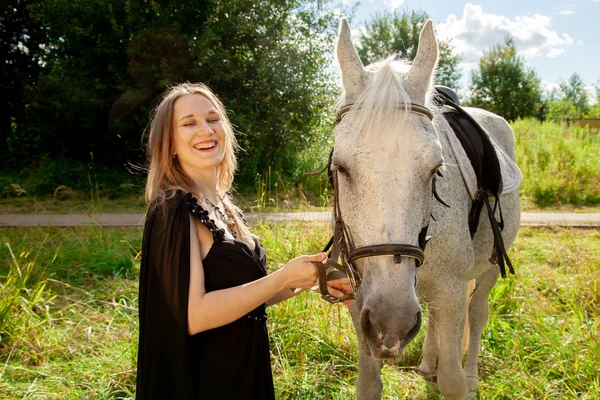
(381, 99)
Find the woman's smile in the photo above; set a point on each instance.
(206, 146)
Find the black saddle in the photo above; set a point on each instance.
(484, 159)
(476, 142)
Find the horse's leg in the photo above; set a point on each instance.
(478, 315)
(449, 302)
(431, 347)
(369, 385)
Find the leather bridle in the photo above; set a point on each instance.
(342, 245)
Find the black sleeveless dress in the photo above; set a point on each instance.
(229, 362)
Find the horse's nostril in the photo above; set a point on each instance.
(368, 323)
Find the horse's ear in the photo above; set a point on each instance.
(421, 71)
(353, 71)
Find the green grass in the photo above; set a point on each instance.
(68, 322)
(560, 164)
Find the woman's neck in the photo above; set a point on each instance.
(206, 184)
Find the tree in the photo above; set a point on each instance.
(106, 61)
(398, 32)
(561, 109)
(21, 60)
(595, 109)
(574, 90)
(503, 84)
(570, 100)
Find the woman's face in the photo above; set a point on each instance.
(199, 138)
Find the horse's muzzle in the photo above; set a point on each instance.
(388, 340)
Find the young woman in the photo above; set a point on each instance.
(203, 280)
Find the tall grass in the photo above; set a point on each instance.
(560, 163)
(23, 303)
(76, 338)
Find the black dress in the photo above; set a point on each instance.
(229, 362)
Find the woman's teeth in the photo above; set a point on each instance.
(205, 145)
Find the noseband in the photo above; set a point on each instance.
(342, 245)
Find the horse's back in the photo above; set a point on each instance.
(500, 131)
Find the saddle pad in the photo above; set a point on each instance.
(509, 170)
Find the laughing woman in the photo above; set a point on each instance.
(203, 280)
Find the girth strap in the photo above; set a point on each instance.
(499, 255)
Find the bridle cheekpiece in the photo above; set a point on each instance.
(341, 244)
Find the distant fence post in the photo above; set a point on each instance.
(589, 122)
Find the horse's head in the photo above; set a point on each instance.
(386, 159)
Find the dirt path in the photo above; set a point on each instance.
(578, 220)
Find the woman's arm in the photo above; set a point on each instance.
(220, 307)
(282, 296)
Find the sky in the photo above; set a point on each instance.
(556, 38)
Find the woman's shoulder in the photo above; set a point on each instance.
(165, 200)
(165, 207)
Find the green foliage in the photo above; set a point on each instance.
(105, 62)
(574, 90)
(541, 340)
(21, 60)
(560, 164)
(65, 179)
(561, 110)
(595, 109)
(570, 101)
(503, 84)
(398, 32)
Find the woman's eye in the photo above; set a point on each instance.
(190, 124)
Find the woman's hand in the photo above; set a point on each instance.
(301, 273)
(339, 288)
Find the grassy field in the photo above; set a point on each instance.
(560, 164)
(68, 320)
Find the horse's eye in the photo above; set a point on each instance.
(340, 169)
(437, 172)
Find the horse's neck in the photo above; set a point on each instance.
(443, 130)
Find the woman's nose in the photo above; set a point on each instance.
(205, 128)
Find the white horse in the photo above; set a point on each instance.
(386, 158)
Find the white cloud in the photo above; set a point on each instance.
(394, 3)
(566, 12)
(554, 52)
(477, 31)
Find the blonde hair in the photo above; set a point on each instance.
(165, 174)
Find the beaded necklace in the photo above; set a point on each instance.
(226, 217)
